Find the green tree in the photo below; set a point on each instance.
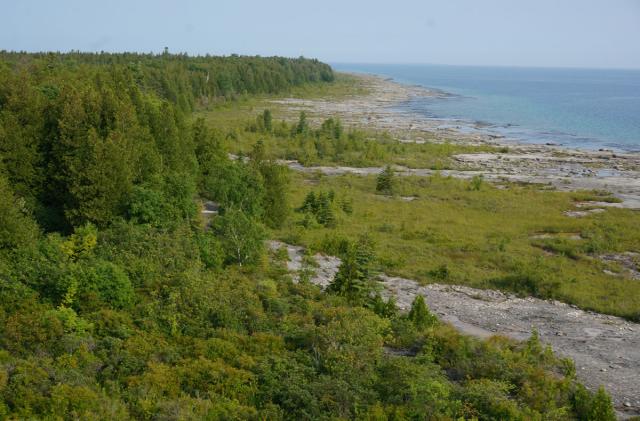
(353, 279)
(275, 179)
(338, 130)
(149, 206)
(385, 181)
(16, 228)
(420, 314)
(267, 120)
(310, 204)
(235, 185)
(476, 183)
(275, 203)
(108, 281)
(420, 389)
(382, 308)
(242, 237)
(324, 213)
(303, 125)
(258, 155)
(592, 407)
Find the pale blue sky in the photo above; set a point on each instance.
(584, 33)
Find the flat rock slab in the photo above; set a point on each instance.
(606, 349)
(597, 204)
(626, 188)
(564, 168)
(583, 213)
(630, 262)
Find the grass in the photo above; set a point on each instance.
(345, 85)
(233, 114)
(362, 148)
(452, 234)
(455, 231)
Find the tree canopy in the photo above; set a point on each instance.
(118, 301)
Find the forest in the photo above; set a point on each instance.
(119, 300)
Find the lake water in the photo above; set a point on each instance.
(582, 108)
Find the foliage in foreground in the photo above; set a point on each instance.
(115, 303)
(128, 322)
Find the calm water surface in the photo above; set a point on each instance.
(583, 108)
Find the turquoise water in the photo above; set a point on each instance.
(582, 108)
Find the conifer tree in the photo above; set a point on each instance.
(302, 126)
(353, 279)
(337, 130)
(309, 205)
(385, 181)
(275, 203)
(267, 120)
(592, 407)
(324, 214)
(420, 314)
(601, 406)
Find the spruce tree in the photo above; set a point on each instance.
(309, 205)
(267, 121)
(353, 277)
(337, 130)
(275, 203)
(601, 407)
(385, 181)
(302, 126)
(420, 314)
(324, 214)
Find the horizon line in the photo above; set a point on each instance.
(330, 62)
(424, 63)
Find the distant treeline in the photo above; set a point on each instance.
(83, 135)
(179, 78)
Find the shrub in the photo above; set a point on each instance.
(420, 314)
(590, 407)
(385, 181)
(476, 183)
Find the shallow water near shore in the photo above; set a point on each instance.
(576, 108)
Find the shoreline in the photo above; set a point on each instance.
(485, 128)
(586, 337)
(562, 167)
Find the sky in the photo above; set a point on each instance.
(548, 33)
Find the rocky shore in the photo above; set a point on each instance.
(606, 349)
(562, 168)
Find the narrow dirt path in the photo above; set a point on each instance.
(606, 349)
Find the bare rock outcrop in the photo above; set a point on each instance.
(605, 349)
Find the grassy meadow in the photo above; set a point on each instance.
(511, 237)
(514, 238)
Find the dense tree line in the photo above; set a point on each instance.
(186, 80)
(115, 303)
(86, 137)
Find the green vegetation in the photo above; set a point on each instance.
(115, 303)
(385, 181)
(453, 233)
(331, 143)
